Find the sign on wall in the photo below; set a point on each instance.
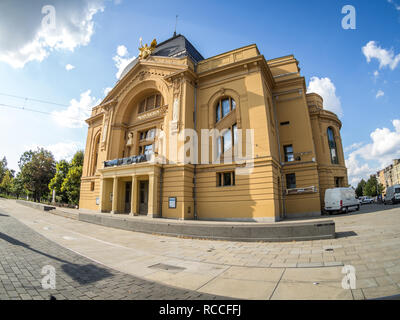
(172, 202)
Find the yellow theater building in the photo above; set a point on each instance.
(136, 162)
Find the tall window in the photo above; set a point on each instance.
(224, 107)
(151, 102)
(332, 146)
(291, 181)
(96, 154)
(289, 155)
(227, 140)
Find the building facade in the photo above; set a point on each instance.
(287, 146)
(390, 175)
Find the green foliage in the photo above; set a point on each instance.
(7, 182)
(18, 188)
(37, 169)
(39, 173)
(72, 183)
(372, 188)
(3, 168)
(360, 188)
(58, 179)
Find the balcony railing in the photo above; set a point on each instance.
(127, 161)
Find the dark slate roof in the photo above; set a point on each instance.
(176, 47)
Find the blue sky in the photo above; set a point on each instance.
(89, 35)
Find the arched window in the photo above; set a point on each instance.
(150, 102)
(224, 107)
(95, 154)
(332, 146)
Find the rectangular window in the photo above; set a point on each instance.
(92, 186)
(289, 155)
(219, 146)
(291, 181)
(148, 149)
(225, 107)
(218, 112)
(142, 106)
(150, 103)
(227, 140)
(233, 104)
(235, 136)
(225, 179)
(158, 101)
(285, 123)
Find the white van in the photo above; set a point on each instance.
(341, 200)
(392, 194)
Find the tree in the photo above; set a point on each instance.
(372, 187)
(18, 188)
(360, 188)
(3, 168)
(58, 179)
(72, 183)
(37, 169)
(6, 183)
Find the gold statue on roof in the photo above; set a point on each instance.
(145, 50)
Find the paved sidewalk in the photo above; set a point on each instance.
(23, 254)
(370, 241)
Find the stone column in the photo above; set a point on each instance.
(103, 197)
(153, 199)
(115, 196)
(134, 197)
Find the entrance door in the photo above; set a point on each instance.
(143, 196)
(128, 194)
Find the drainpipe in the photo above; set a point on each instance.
(161, 188)
(197, 152)
(280, 155)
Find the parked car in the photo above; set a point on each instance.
(392, 194)
(341, 200)
(365, 200)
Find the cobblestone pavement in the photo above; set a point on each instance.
(23, 254)
(369, 240)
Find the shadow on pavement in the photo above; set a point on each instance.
(345, 234)
(83, 274)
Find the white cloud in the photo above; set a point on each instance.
(353, 146)
(122, 51)
(61, 150)
(325, 88)
(69, 67)
(397, 7)
(122, 60)
(107, 90)
(379, 94)
(76, 113)
(357, 171)
(386, 58)
(376, 73)
(384, 147)
(31, 40)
